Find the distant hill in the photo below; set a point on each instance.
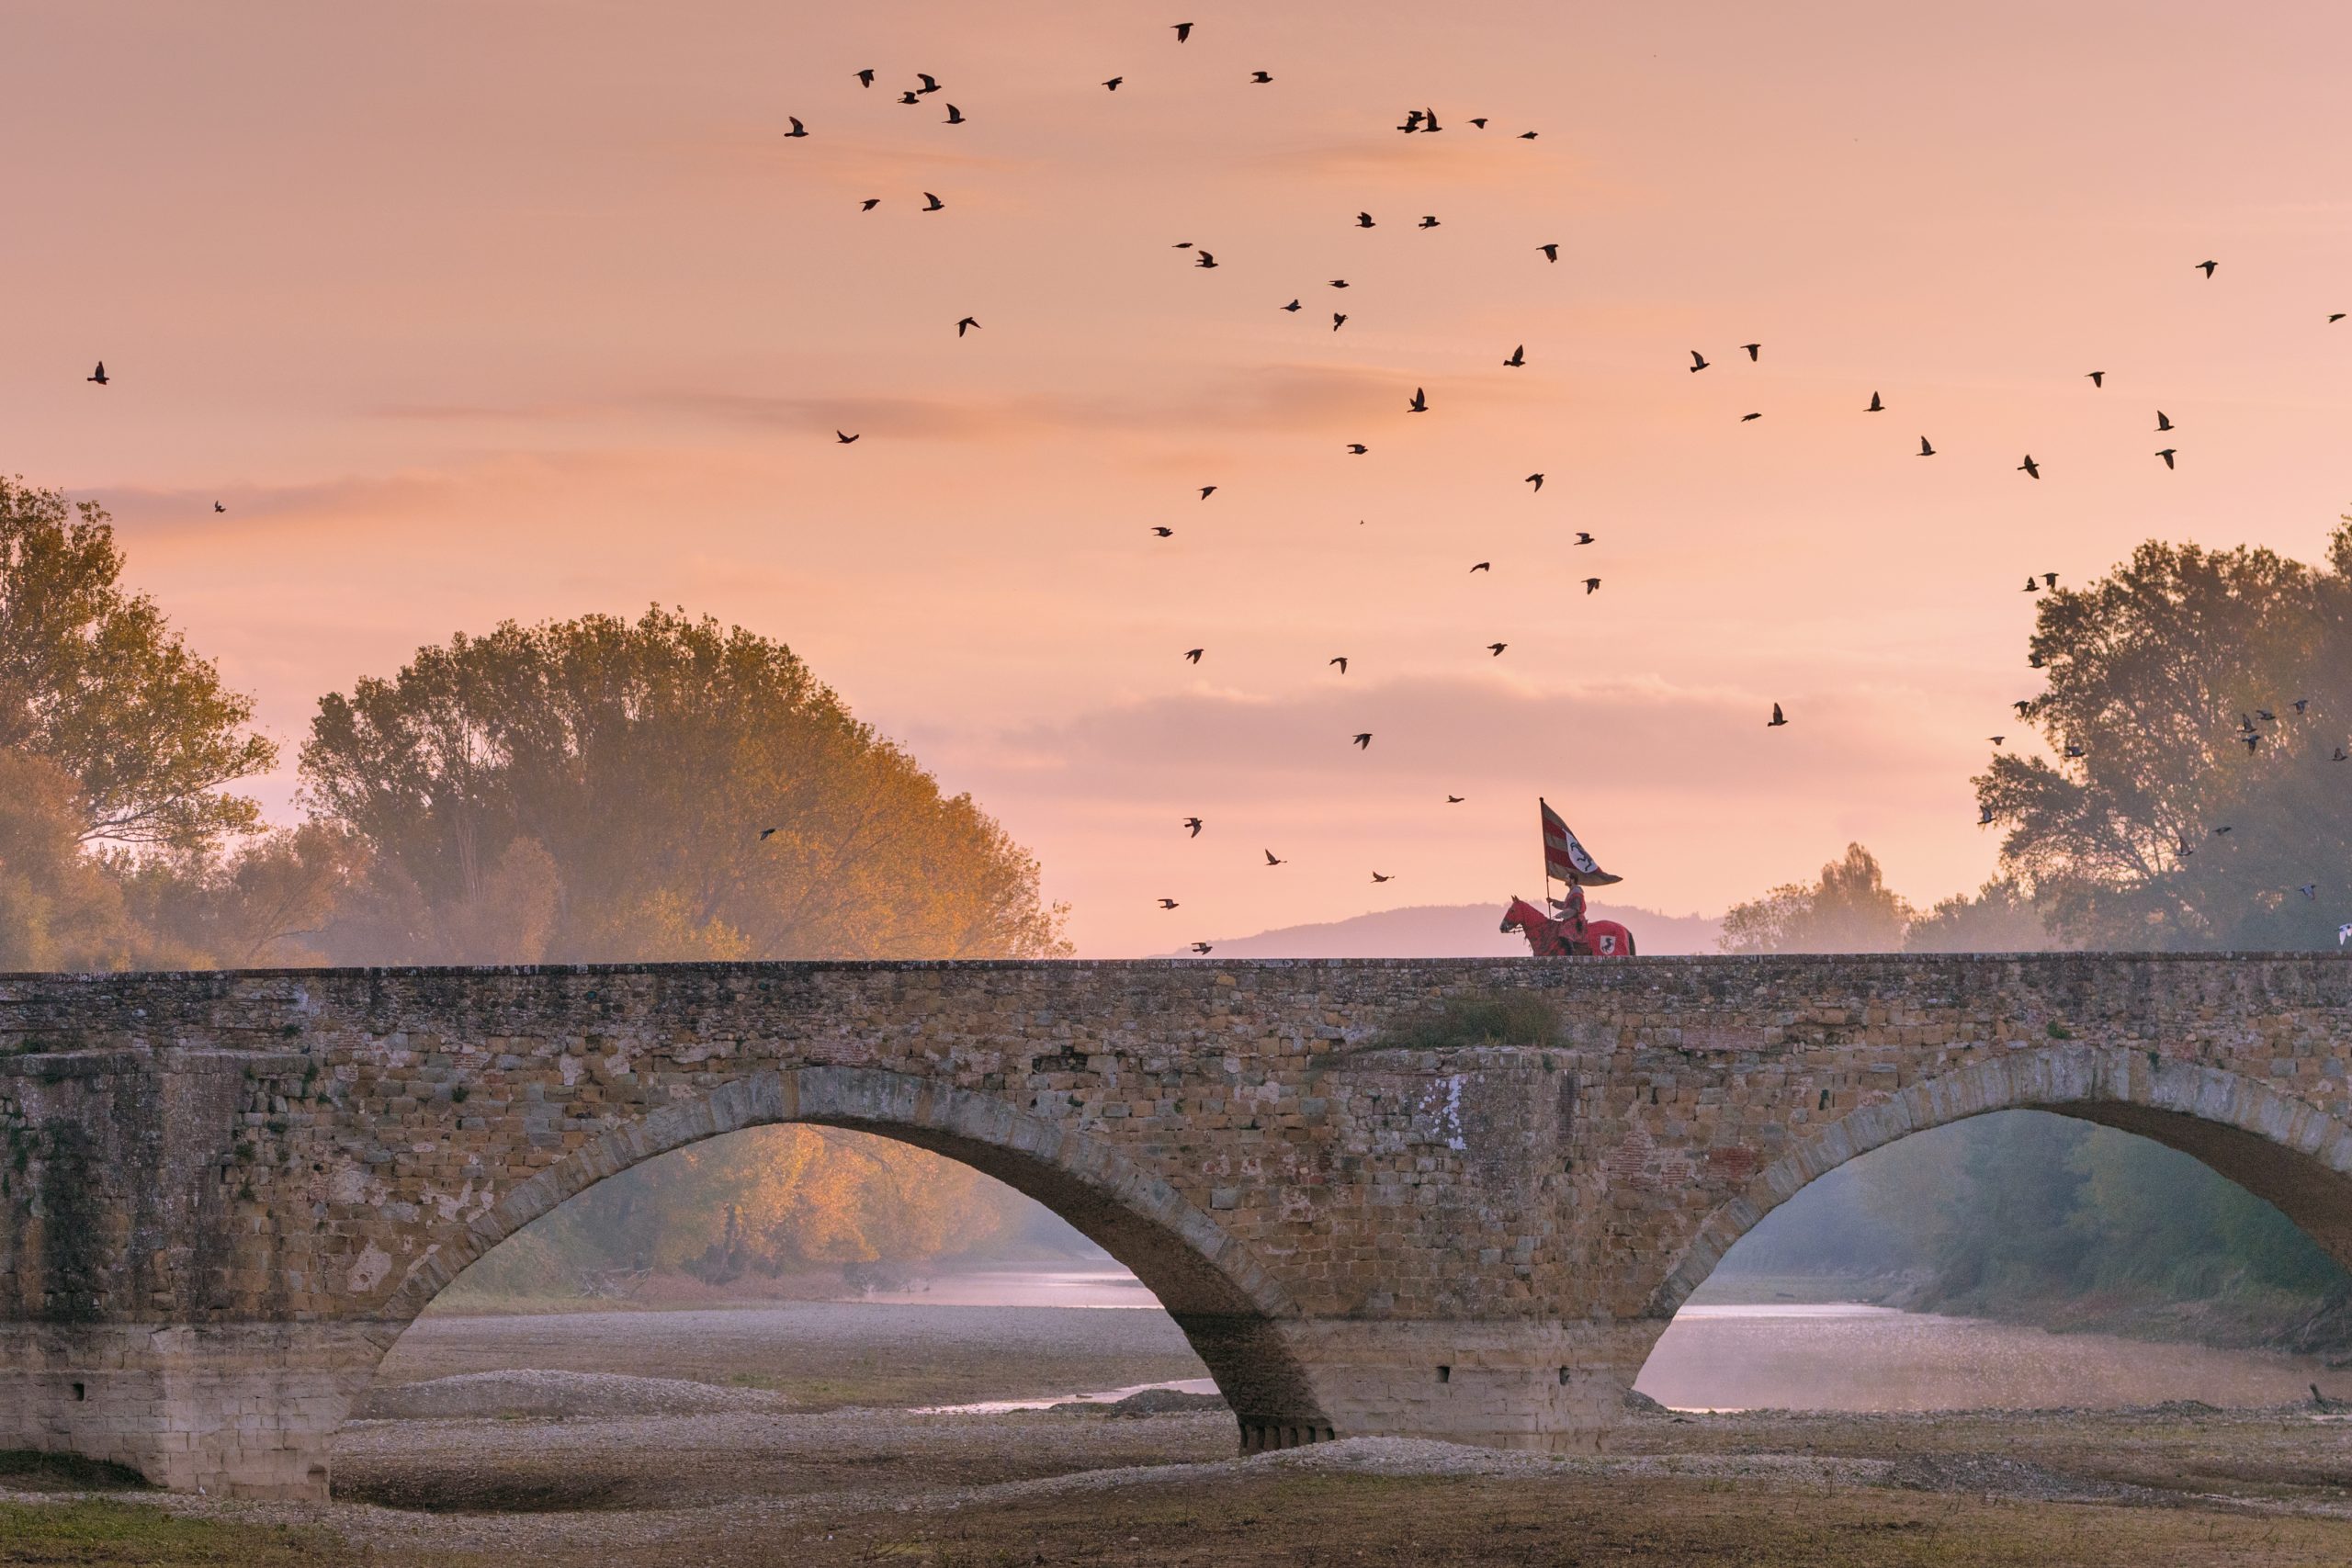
(1457, 930)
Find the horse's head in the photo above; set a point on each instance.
(1520, 912)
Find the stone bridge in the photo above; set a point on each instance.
(225, 1195)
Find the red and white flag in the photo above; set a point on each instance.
(1564, 859)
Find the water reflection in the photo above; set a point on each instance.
(1091, 1285)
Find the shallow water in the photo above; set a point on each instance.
(1087, 1285)
(1105, 1396)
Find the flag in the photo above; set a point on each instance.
(1564, 858)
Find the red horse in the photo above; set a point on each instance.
(1572, 936)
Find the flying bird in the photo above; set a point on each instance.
(2341, 756)
(1527, 136)
(1591, 586)
(1778, 719)
(966, 325)
(1260, 76)
(1496, 648)
(1926, 450)
(1339, 283)
(1481, 122)
(767, 833)
(2098, 377)
(1420, 404)
(99, 375)
(1746, 417)
(1114, 83)
(1876, 407)
(1183, 31)
(955, 116)
(1429, 221)
(910, 96)
(797, 129)
(1484, 565)
(1377, 877)
(1698, 362)
(1363, 220)
(2221, 829)
(1412, 121)
(2206, 268)
(2309, 890)
(2162, 421)
(1273, 859)
(1194, 824)
(1551, 252)
(2025, 709)
(2031, 586)
(930, 82)
(1996, 740)
(844, 438)
(1536, 480)
(1518, 357)
(1164, 532)
(1294, 306)
(1455, 799)
(1428, 120)
(1203, 948)
(1168, 904)
(2167, 455)
(1358, 447)
(217, 507)
(869, 203)
(1338, 321)
(2300, 704)
(1204, 259)
(2049, 579)
(866, 78)
(1192, 655)
(2336, 317)
(1584, 538)
(931, 203)
(1342, 661)
(1362, 741)
(1753, 349)
(2072, 750)
(1985, 816)
(2030, 467)
(2252, 742)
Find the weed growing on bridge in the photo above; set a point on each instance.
(1506, 1017)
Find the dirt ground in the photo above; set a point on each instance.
(716, 1446)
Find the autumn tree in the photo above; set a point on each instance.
(598, 789)
(58, 908)
(95, 680)
(1849, 910)
(2196, 702)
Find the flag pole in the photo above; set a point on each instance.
(1542, 808)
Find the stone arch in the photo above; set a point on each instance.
(1224, 1301)
(2281, 1149)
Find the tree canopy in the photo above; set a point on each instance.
(2198, 702)
(597, 789)
(93, 678)
(1849, 910)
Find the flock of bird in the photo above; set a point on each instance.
(1423, 122)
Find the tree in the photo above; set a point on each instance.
(2185, 817)
(58, 908)
(597, 789)
(93, 678)
(2000, 918)
(1849, 909)
(266, 905)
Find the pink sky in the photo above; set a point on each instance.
(525, 307)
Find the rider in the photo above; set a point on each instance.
(1570, 911)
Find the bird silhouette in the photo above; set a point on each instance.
(1362, 741)
(1358, 447)
(2073, 750)
(2206, 268)
(2167, 455)
(2034, 661)
(99, 375)
(1114, 83)
(797, 129)
(1260, 76)
(1421, 403)
(1363, 220)
(1338, 321)
(1194, 824)
(1496, 648)
(1429, 221)
(930, 82)
(2030, 467)
(955, 116)
(1698, 362)
(1926, 450)
(2049, 579)
(1192, 655)
(910, 96)
(931, 203)
(1168, 904)
(1294, 306)
(1996, 740)
(1876, 407)
(1481, 122)
(2031, 586)
(2024, 708)
(1591, 586)
(1583, 538)
(2337, 316)
(1778, 719)
(1455, 799)
(2162, 421)
(1377, 877)
(1164, 532)
(1412, 121)
(1204, 259)
(2309, 890)
(966, 325)
(1985, 816)
(2300, 704)
(1518, 357)
(1428, 120)
(869, 203)
(1484, 565)
(1536, 480)
(844, 438)
(866, 78)
(1203, 948)
(1342, 661)
(1753, 350)
(2098, 377)
(1746, 417)
(1182, 30)
(217, 507)
(1207, 490)
(1339, 283)
(1527, 136)
(2341, 756)
(1273, 859)
(2224, 827)
(1551, 252)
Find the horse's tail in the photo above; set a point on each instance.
(1629, 945)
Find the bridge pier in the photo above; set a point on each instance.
(239, 1410)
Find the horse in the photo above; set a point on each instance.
(1574, 937)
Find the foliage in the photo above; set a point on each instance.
(1502, 1018)
(94, 679)
(100, 1530)
(58, 908)
(2000, 918)
(2157, 675)
(261, 905)
(1849, 909)
(595, 790)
